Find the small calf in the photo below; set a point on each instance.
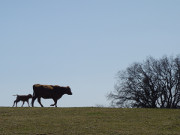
(24, 98)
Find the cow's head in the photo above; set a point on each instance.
(69, 90)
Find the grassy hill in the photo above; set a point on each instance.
(89, 121)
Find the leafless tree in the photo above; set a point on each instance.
(155, 83)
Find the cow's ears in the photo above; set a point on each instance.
(68, 87)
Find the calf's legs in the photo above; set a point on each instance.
(28, 103)
(15, 102)
(23, 104)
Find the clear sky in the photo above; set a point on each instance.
(81, 44)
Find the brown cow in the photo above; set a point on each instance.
(24, 98)
(54, 92)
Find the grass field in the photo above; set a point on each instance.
(88, 121)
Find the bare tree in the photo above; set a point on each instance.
(155, 83)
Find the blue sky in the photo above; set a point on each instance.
(81, 43)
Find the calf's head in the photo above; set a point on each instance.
(30, 96)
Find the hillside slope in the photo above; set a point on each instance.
(89, 121)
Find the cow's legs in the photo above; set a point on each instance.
(39, 100)
(33, 99)
(22, 104)
(55, 102)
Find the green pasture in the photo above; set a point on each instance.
(88, 121)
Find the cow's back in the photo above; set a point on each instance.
(45, 91)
